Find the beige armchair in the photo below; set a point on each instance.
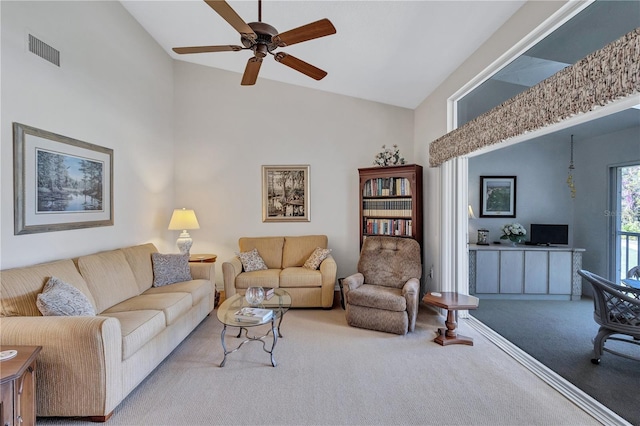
(384, 294)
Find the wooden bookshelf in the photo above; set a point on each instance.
(391, 201)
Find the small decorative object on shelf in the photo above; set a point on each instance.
(513, 232)
(388, 157)
(253, 315)
(254, 295)
(483, 237)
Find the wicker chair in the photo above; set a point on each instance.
(617, 311)
(384, 294)
(634, 273)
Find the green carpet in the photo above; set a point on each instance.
(559, 334)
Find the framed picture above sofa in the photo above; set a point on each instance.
(497, 196)
(285, 193)
(60, 183)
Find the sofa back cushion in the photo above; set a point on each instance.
(298, 249)
(139, 259)
(109, 278)
(20, 286)
(269, 249)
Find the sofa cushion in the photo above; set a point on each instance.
(173, 305)
(199, 289)
(251, 261)
(298, 249)
(300, 277)
(170, 268)
(61, 299)
(139, 259)
(316, 258)
(109, 278)
(19, 287)
(266, 278)
(138, 328)
(379, 297)
(270, 249)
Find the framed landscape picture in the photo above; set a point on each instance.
(60, 183)
(497, 196)
(285, 193)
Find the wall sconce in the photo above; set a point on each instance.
(184, 219)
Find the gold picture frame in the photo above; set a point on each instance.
(285, 193)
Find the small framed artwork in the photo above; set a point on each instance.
(497, 196)
(285, 193)
(59, 183)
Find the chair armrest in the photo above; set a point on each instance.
(78, 353)
(230, 270)
(411, 292)
(328, 270)
(352, 282)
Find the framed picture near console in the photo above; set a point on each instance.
(59, 183)
(497, 196)
(285, 193)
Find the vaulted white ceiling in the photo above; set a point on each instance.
(394, 52)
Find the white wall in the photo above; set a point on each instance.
(431, 115)
(542, 193)
(224, 134)
(114, 88)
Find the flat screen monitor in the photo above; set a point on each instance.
(549, 234)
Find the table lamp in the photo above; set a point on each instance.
(183, 219)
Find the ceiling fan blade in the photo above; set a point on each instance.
(206, 49)
(251, 71)
(317, 29)
(228, 14)
(300, 65)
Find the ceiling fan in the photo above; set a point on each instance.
(263, 39)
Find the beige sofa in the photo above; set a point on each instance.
(89, 364)
(284, 257)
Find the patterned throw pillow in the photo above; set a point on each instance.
(61, 299)
(251, 261)
(316, 258)
(170, 268)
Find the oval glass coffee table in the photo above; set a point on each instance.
(279, 303)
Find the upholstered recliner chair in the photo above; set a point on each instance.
(384, 294)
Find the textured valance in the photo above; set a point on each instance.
(605, 75)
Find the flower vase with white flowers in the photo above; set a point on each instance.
(513, 232)
(388, 157)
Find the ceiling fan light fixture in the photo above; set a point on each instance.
(262, 39)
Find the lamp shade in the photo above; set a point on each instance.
(471, 215)
(183, 219)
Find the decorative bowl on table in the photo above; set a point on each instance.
(254, 295)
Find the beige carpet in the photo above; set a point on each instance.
(331, 374)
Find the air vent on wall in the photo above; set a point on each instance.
(43, 50)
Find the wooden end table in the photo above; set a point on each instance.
(203, 258)
(451, 301)
(18, 386)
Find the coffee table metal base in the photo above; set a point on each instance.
(274, 330)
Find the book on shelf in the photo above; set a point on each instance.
(253, 315)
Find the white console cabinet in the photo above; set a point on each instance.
(501, 271)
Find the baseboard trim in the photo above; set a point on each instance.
(567, 389)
